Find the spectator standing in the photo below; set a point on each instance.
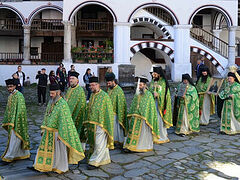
(198, 68)
(16, 81)
(86, 77)
(52, 78)
(21, 76)
(42, 86)
(72, 69)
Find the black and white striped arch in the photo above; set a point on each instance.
(219, 67)
(137, 47)
(155, 23)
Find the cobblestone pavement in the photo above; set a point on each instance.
(206, 155)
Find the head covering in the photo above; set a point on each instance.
(187, 77)
(43, 69)
(204, 69)
(232, 75)
(54, 87)
(157, 69)
(74, 73)
(93, 79)
(10, 82)
(143, 79)
(110, 77)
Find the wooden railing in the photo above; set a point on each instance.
(94, 25)
(11, 58)
(94, 58)
(209, 40)
(47, 24)
(10, 24)
(162, 14)
(46, 58)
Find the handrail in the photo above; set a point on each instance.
(39, 58)
(163, 15)
(10, 24)
(7, 57)
(94, 25)
(47, 24)
(209, 40)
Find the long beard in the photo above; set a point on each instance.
(54, 100)
(204, 78)
(156, 79)
(141, 91)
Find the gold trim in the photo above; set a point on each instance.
(161, 142)
(97, 164)
(129, 147)
(16, 158)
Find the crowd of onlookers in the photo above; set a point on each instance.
(61, 77)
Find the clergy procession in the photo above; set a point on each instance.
(74, 128)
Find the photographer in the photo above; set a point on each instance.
(42, 86)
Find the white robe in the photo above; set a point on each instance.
(60, 160)
(101, 154)
(162, 128)
(15, 150)
(118, 131)
(146, 139)
(206, 109)
(185, 127)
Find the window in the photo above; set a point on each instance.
(34, 51)
(88, 43)
(198, 20)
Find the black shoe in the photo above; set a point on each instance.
(223, 133)
(4, 163)
(31, 168)
(127, 151)
(91, 167)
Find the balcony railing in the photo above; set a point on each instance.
(209, 40)
(11, 58)
(92, 58)
(10, 24)
(94, 25)
(46, 58)
(47, 24)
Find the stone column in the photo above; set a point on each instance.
(231, 45)
(216, 33)
(121, 43)
(182, 52)
(27, 44)
(67, 42)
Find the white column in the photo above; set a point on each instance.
(182, 52)
(121, 43)
(67, 42)
(26, 44)
(216, 33)
(231, 45)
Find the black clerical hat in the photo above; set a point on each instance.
(157, 69)
(93, 79)
(10, 82)
(143, 79)
(54, 87)
(110, 77)
(74, 73)
(232, 75)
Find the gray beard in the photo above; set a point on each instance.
(54, 100)
(141, 91)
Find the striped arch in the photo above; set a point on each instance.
(36, 11)
(215, 62)
(149, 44)
(155, 23)
(4, 6)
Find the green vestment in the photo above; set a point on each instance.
(15, 118)
(202, 90)
(230, 104)
(143, 108)
(160, 88)
(119, 106)
(191, 103)
(76, 100)
(100, 113)
(58, 119)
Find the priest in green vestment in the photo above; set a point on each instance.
(159, 87)
(206, 101)
(15, 123)
(187, 107)
(76, 100)
(118, 99)
(60, 144)
(230, 118)
(99, 123)
(143, 121)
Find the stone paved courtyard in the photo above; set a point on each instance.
(206, 155)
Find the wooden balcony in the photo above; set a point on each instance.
(11, 27)
(47, 27)
(11, 58)
(94, 28)
(47, 58)
(93, 58)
